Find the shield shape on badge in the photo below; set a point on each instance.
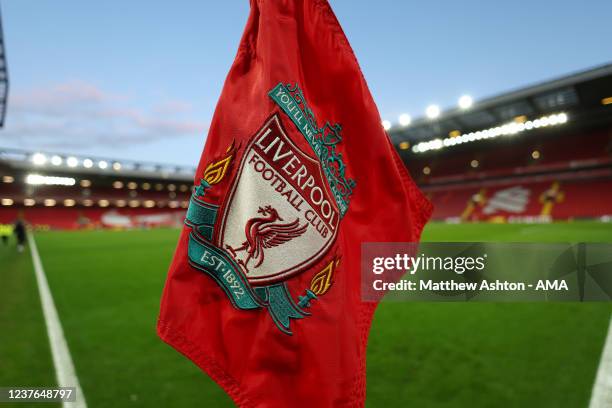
(279, 217)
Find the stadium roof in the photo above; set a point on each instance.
(586, 94)
(45, 162)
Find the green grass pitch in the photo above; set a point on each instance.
(107, 286)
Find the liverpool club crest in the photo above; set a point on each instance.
(279, 218)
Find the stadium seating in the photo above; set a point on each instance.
(78, 207)
(565, 179)
(523, 200)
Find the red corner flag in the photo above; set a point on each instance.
(264, 290)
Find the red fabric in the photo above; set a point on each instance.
(322, 364)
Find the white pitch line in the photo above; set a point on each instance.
(64, 368)
(601, 396)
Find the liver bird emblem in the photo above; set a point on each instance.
(263, 233)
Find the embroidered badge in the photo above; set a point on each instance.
(279, 218)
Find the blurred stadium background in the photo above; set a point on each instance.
(534, 155)
(537, 154)
(532, 164)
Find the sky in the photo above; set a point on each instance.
(139, 79)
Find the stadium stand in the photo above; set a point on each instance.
(537, 154)
(518, 158)
(524, 201)
(52, 191)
